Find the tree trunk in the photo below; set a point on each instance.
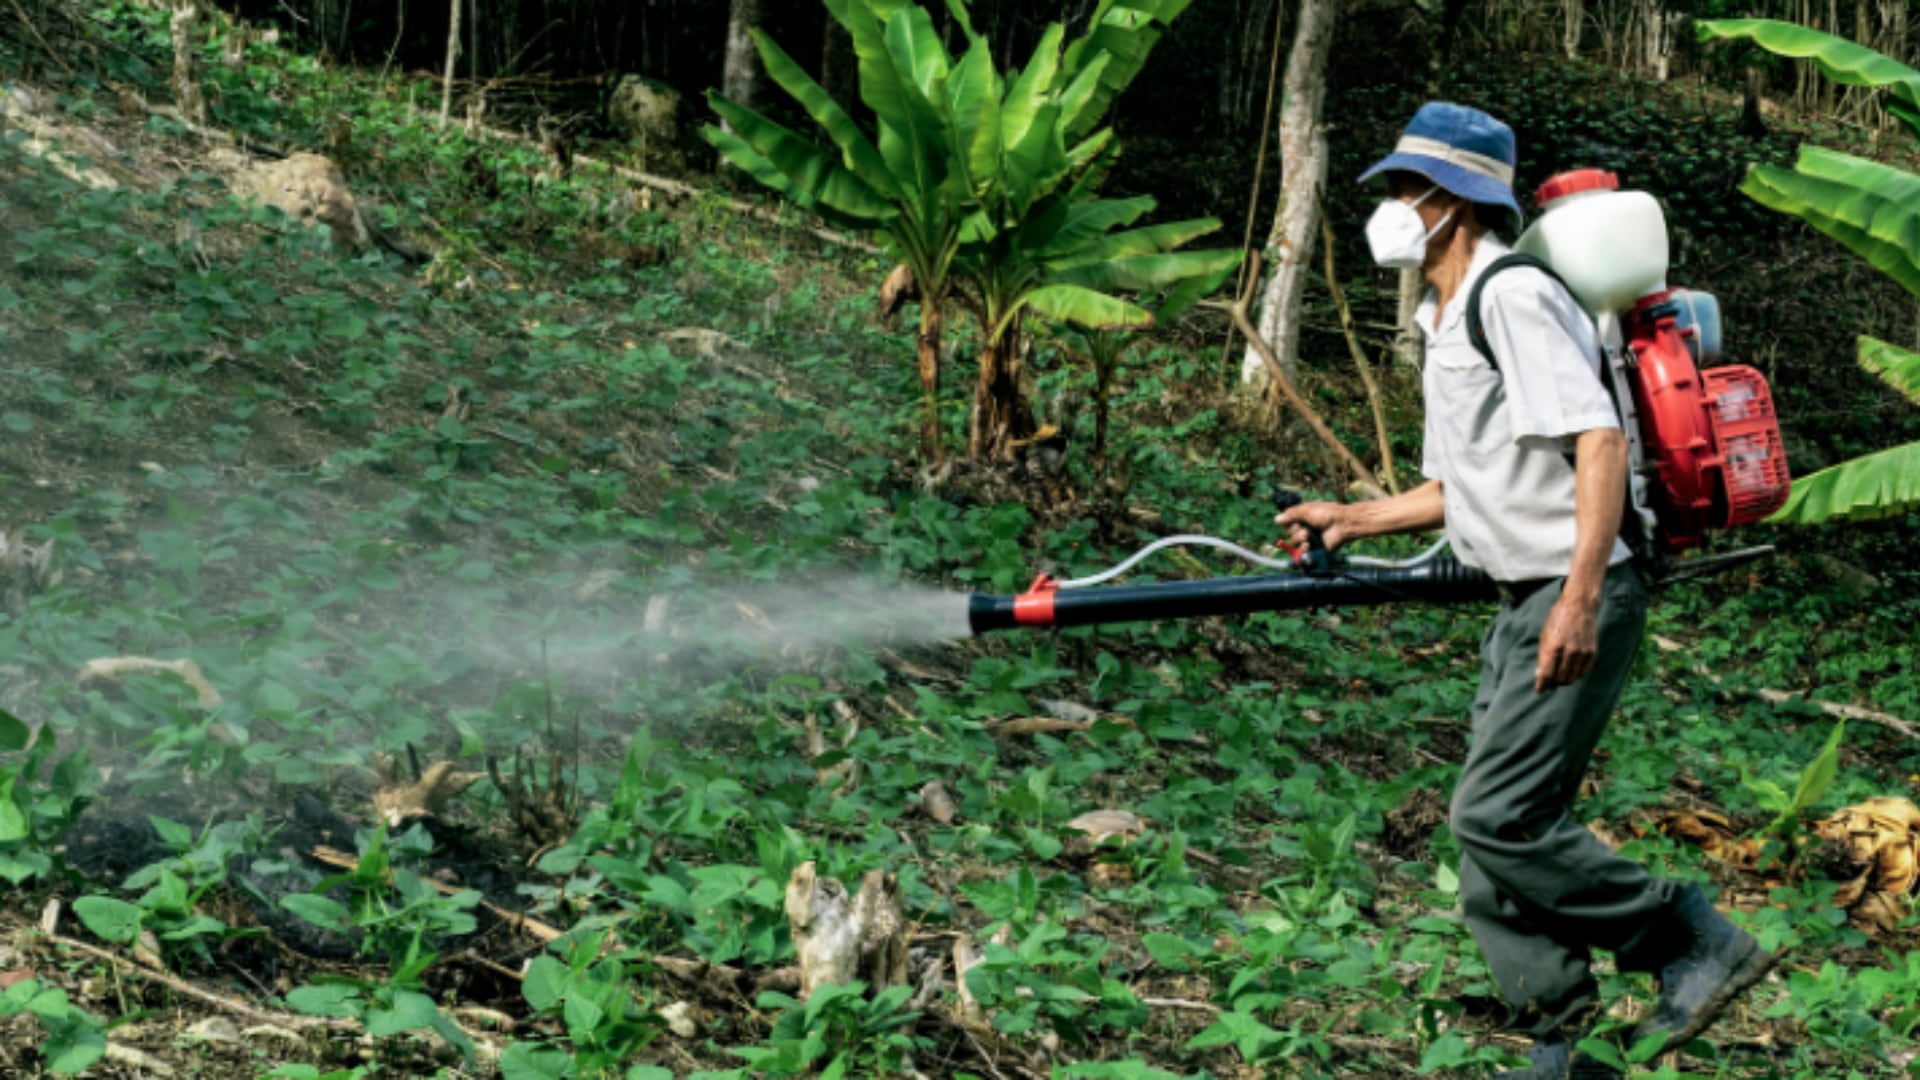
(1752, 124)
(929, 356)
(1831, 89)
(453, 54)
(740, 83)
(1409, 344)
(1897, 30)
(1573, 18)
(186, 84)
(839, 67)
(1303, 172)
(1000, 414)
(1241, 69)
(1656, 38)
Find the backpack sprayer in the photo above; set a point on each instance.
(1704, 445)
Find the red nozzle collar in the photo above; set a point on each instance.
(1035, 606)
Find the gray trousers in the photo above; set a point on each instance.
(1540, 891)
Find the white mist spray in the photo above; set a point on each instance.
(708, 633)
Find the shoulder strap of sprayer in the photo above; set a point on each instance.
(1477, 326)
(1632, 529)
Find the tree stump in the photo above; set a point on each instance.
(186, 83)
(839, 938)
(883, 930)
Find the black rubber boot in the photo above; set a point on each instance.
(1717, 963)
(1555, 1058)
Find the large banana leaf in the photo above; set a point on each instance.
(1871, 208)
(1105, 346)
(886, 8)
(1090, 161)
(1067, 226)
(1191, 291)
(1032, 89)
(1085, 307)
(1127, 31)
(915, 140)
(856, 150)
(1839, 59)
(1079, 95)
(1144, 273)
(973, 98)
(1874, 210)
(812, 176)
(1882, 485)
(917, 48)
(958, 9)
(1896, 366)
(1035, 165)
(1150, 240)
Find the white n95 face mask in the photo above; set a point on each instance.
(1397, 235)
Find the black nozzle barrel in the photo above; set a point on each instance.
(1440, 580)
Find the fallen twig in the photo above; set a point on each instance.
(115, 668)
(474, 958)
(1180, 1003)
(1049, 725)
(1356, 1044)
(1783, 697)
(1040, 725)
(141, 1062)
(171, 982)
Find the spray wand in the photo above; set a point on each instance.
(1311, 577)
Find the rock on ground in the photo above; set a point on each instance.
(647, 112)
(310, 189)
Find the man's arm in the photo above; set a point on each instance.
(1569, 642)
(1418, 510)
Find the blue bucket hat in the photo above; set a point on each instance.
(1461, 149)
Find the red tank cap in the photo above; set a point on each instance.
(1573, 183)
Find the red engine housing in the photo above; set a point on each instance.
(1711, 438)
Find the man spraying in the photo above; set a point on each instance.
(1526, 469)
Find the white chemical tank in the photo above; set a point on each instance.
(1609, 245)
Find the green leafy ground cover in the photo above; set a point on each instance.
(380, 506)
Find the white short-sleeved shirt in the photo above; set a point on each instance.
(1498, 441)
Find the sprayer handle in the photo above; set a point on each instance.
(1316, 559)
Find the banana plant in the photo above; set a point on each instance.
(964, 167)
(1843, 61)
(1105, 348)
(898, 182)
(1872, 209)
(1041, 241)
(1067, 267)
(1886, 484)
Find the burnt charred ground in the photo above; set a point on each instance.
(361, 495)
